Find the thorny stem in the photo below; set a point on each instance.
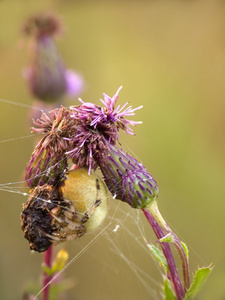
(178, 288)
(47, 260)
(153, 208)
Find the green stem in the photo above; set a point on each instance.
(153, 209)
(173, 273)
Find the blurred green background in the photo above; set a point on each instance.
(170, 57)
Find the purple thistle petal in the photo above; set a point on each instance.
(97, 125)
(97, 116)
(110, 102)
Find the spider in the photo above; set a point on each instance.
(68, 222)
(53, 215)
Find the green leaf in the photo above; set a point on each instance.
(47, 270)
(168, 291)
(157, 253)
(58, 264)
(167, 238)
(199, 280)
(185, 250)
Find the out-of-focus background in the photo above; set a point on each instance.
(170, 57)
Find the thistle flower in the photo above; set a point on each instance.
(79, 133)
(127, 179)
(49, 161)
(60, 205)
(47, 77)
(96, 125)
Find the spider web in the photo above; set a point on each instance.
(112, 262)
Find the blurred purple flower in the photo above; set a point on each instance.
(74, 83)
(47, 77)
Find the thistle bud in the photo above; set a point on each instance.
(46, 74)
(53, 215)
(127, 179)
(47, 77)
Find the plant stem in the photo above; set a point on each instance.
(153, 208)
(47, 260)
(178, 288)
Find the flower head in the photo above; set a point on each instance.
(96, 125)
(118, 115)
(42, 24)
(81, 133)
(49, 160)
(101, 118)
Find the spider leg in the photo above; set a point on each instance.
(98, 198)
(52, 237)
(53, 215)
(92, 208)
